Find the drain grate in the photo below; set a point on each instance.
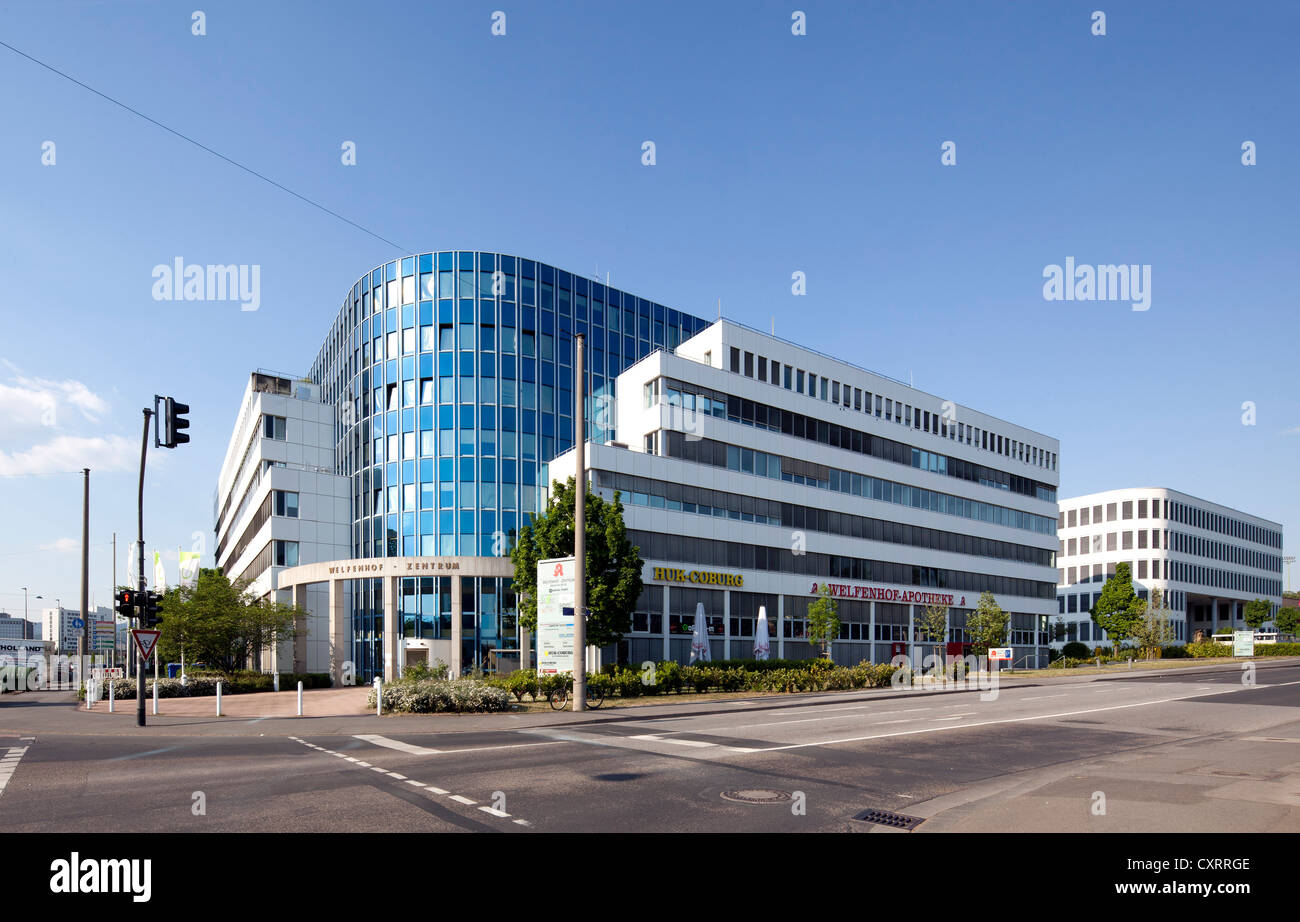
(758, 796)
(889, 818)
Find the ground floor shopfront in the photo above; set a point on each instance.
(374, 617)
(877, 621)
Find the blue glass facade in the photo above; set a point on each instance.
(451, 375)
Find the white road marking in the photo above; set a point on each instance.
(651, 738)
(1042, 697)
(10, 766)
(412, 749)
(956, 716)
(988, 723)
(399, 777)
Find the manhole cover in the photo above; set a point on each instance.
(758, 796)
(889, 818)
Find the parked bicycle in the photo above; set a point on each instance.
(559, 698)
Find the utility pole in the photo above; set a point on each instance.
(139, 660)
(114, 571)
(85, 574)
(579, 529)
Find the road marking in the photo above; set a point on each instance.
(988, 723)
(11, 760)
(399, 777)
(412, 749)
(409, 748)
(651, 738)
(1042, 697)
(956, 716)
(1270, 739)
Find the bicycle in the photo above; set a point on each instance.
(559, 698)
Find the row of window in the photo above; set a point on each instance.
(736, 556)
(843, 394)
(1174, 511)
(794, 470)
(642, 491)
(774, 419)
(1177, 541)
(1166, 569)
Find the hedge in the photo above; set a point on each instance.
(785, 676)
(435, 696)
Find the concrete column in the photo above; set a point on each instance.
(525, 655)
(726, 624)
(872, 630)
(664, 627)
(300, 630)
(339, 652)
(392, 586)
(780, 627)
(911, 630)
(455, 626)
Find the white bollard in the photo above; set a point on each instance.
(299, 699)
(379, 697)
(155, 697)
(277, 681)
(218, 697)
(110, 697)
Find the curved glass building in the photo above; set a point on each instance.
(451, 375)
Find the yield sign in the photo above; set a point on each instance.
(145, 641)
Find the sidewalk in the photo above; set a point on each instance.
(320, 702)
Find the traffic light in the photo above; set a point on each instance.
(125, 601)
(150, 609)
(172, 422)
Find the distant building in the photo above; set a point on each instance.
(13, 627)
(1206, 559)
(61, 626)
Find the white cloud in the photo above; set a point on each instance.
(30, 404)
(71, 453)
(62, 545)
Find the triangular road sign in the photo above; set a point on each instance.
(145, 641)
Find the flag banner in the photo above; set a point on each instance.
(159, 573)
(189, 567)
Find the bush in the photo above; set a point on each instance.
(435, 696)
(1208, 649)
(1075, 650)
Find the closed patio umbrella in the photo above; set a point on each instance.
(762, 647)
(700, 638)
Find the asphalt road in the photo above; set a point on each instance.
(1189, 752)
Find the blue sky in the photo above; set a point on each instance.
(775, 153)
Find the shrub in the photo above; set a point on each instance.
(433, 696)
(1208, 649)
(1075, 650)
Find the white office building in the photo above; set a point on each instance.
(1206, 559)
(754, 471)
(279, 504)
(62, 626)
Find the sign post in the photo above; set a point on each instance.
(145, 641)
(555, 632)
(1243, 643)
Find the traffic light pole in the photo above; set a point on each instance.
(139, 660)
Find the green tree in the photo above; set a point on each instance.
(1256, 613)
(824, 620)
(1286, 619)
(934, 626)
(987, 625)
(1119, 610)
(220, 623)
(613, 563)
(1156, 627)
